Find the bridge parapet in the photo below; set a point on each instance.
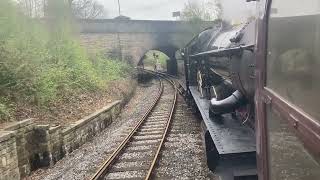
(138, 26)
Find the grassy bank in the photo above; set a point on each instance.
(42, 63)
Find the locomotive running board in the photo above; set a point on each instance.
(234, 143)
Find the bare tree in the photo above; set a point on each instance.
(205, 10)
(32, 8)
(83, 9)
(87, 9)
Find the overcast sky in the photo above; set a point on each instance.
(162, 9)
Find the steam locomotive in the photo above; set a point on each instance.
(256, 87)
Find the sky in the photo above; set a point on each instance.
(236, 10)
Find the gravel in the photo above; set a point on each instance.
(183, 154)
(83, 162)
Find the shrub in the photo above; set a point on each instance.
(43, 62)
(5, 110)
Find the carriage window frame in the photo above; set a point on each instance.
(306, 128)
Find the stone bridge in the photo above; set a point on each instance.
(131, 39)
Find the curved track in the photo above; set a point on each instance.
(136, 156)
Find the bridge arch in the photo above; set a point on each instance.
(168, 50)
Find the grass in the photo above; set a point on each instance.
(43, 62)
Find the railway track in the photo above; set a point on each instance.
(183, 154)
(136, 156)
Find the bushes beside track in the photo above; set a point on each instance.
(44, 62)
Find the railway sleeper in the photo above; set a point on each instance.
(155, 122)
(128, 168)
(143, 143)
(154, 126)
(142, 158)
(141, 148)
(162, 120)
(148, 137)
(146, 133)
(145, 129)
(156, 117)
(128, 175)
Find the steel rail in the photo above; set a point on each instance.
(165, 132)
(174, 82)
(103, 169)
(171, 78)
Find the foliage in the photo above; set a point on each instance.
(195, 12)
(111, 69)
(150, 60)
(5, 110)
(41, 64)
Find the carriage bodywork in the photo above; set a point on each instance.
(255, 86)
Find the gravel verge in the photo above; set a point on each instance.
(183, 154)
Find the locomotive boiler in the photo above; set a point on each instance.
(221, 64)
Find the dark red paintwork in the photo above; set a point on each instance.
(305, 127)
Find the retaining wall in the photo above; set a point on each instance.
(26, 146)
(8, 156)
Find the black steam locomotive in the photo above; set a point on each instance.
(220, 79)
(256, 87)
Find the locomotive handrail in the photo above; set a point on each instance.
(225, 52)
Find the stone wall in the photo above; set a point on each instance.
(8, 156)
(79, 132)
(24, 143)
(26, 146)
(133, 45)
(139, 26)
